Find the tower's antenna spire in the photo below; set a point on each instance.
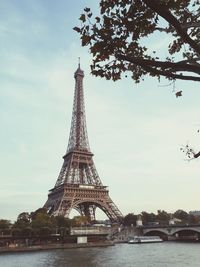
(79, 59)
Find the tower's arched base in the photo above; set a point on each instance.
(84, 198)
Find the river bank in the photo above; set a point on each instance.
(54, 246)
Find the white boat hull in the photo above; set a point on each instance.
(144, 239)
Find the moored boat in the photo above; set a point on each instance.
(144, 239)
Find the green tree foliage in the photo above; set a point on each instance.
(62, 221)
(193, 219)
(163, 217)
(119, 38)
(130, 219)
(24, 216)
(34, 214)
(22, 227)
(63, 225)
(5, 226)
(30, 224)
(40, 223)
(148, 217)
(182, 215)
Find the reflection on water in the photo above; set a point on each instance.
(144, 255)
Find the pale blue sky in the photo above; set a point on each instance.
(135, 131)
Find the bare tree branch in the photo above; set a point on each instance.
(167, 15)
(197, 155)
(147, 65)
(190, 25)
(167, 30)
(191, 60)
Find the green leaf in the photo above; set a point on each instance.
(179, 94)
(82, 18)
(77, 29)
(97, 19)
(87, 9)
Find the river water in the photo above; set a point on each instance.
(164, 254)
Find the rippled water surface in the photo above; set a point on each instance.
(145, 255)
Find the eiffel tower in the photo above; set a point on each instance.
(78, 185)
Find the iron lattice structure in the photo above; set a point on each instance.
(78, 185)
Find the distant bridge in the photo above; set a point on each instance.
(186, 231)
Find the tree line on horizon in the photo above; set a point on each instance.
(40, 224)
(162, 218)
